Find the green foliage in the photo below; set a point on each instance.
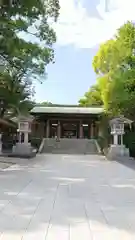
(114, 64)
(36, 142)
(102, 143)
(16, 94)
(92, 97)
(45, 104)
(23, 20)
(104, 138)
(129, 142)
(26, 40)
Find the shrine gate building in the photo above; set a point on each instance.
(66, 121)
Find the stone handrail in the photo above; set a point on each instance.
(98, 147)
(41, 145)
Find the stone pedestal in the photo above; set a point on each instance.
(22, 149)
(117, 151)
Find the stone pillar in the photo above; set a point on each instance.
(47, 129)
(115, 139)
(59, 130)
(81, 130)
(26, 137)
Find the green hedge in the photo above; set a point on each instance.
(103, 143)
(129, 142)
(36, 142)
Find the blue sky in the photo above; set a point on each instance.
(82, 26)
(69, 77)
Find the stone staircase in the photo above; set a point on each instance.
(70, 146)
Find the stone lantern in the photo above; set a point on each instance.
(24, 126)
(117, 129)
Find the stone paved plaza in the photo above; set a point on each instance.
(67, 197)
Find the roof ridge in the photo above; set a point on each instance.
(68, 110)
(68, 106)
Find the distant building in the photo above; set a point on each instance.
(66, 121)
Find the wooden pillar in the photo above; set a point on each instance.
(41, 129)
(89, 129)
(81, 130)
(44, 133)
(48, 129)
(59, 130)
(37, 130)
(77, 130)
(96, 129)
(34, 128)
(92, 130)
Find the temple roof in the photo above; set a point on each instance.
(121, 119)
(67, 110)
(19, 118)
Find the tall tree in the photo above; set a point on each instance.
(92, 97)
(114, 65)
(30, 19)
(26, 47)
(46, 104)
(15, 94)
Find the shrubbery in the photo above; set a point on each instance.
(35, 142)
(129, 142)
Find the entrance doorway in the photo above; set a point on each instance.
(86, 131)
(69, 130)
(53, 130)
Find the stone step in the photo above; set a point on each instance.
(70, 146)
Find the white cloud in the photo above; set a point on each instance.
(77, 27)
